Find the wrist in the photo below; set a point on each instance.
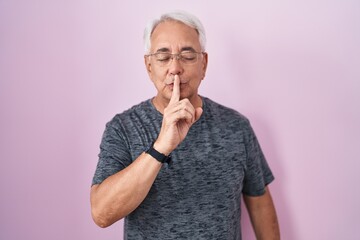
(159, 156)
(161, 148)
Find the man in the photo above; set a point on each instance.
(175, 166)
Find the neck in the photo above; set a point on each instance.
(160, 104)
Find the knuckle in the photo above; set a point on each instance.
(186, 100)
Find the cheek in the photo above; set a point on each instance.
(158, 76)
(158, 79)
(200, 73)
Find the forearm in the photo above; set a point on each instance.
(121, 193)
(266, 227)
(263, 216)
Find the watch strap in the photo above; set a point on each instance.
(157, 155)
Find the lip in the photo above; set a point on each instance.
(170, 80)
(171, 85)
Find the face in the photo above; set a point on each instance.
(175, 37)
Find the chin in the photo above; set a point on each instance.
(188, 96)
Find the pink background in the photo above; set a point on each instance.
(66, 67)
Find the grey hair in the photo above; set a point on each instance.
(180, 16)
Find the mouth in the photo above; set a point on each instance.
(170, 80)
(171, 85)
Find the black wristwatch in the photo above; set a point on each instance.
(158, 155)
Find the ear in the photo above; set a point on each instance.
(204, 64)
(147, 65)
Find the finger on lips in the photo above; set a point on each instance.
(175, 97)
(183, 109)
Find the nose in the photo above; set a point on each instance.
(175, 66)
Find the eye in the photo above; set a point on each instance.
(163, 57)
(188, 56)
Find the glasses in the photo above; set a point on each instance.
(164, 58)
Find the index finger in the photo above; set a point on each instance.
(175, 96)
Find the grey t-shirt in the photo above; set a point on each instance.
(197, 195)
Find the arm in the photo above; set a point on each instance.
(263, 216)
(120, 194)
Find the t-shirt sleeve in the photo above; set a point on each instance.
(258, 174)
(114, 153)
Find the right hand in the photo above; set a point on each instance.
(179, 116)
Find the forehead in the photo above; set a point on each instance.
(174, 35)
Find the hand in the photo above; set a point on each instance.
(179, 116)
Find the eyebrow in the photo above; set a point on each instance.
(163, 50)
(190, 49)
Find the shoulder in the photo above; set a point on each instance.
(132, 115)
(223, 113)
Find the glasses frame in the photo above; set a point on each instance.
(177, 56)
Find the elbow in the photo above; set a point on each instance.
(98, 213)
(101, 223)
(103, 218)
(100, 219)
(103, 214)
